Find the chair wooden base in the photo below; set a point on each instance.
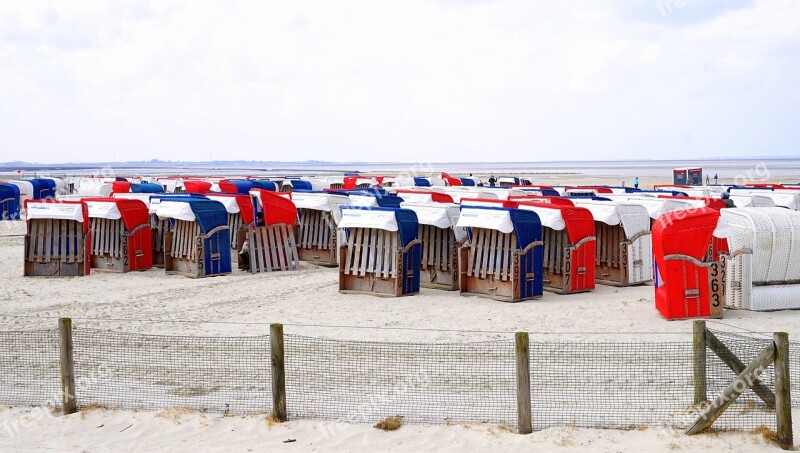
(317, 238)
(55, 248)
(272, 248)
(372, 263)
(611, 256)
(439, 264)
(111, 246)
(560, 267)
(320, 257)
(490, 266)
(185, 253)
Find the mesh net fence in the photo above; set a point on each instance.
(628, 385)
(619, 385)
(153, 372)
(749, 410)
(30, 371)
(423, 383)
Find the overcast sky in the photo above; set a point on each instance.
(416, 81)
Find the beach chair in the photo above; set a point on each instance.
(382, 253)
(568, 235)
(656, 206)
(686, 286)
(58, 239)
(507, 181)
(423, 196)
(195, 186)
(441, 240)
(264, 184)
(197, 243)
(121, 235)
(272, 246)
(489, 202)
(25, 190)
(318, 238)
(290, 185)
(9, 201)
(336, 185)
(146, 188)
(763, 265)
(43, 188)
(373, 198)
(547, 199)
(240, 215)
(786, 198)
(503, 258)
(459, 193)
(159, 226)
(240, 186)
(623, 254)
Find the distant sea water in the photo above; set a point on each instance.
(729, 170)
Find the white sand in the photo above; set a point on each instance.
(243, 304)
(23, 430)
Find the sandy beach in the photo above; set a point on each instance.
(307, 302)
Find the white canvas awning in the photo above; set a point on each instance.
(143, 197)
(440, 215)
(605, 212)
(493, 219)
(62, 211)
(103, 210)
(230, 203)
(458, 193)
(430, 214)
(416, 197)
(315, 201)
(363, 200)
(175, 210)
(365, 218)
(491, 204)
(550, 217)
(25, 189)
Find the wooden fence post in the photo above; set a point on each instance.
(699, 362)
(523, 383)
(67, 366)
(783, 398)
(278, 372)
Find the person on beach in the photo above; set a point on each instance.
(708, 180)
(244, 254)
(492, 181)
(636, 182)
(716, 179)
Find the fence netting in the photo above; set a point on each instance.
(365, 382)
(30, 370)
(154, 372)
(621, 385)
(748, 411)
(631, 385)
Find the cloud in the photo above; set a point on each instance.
(405, 81)
(680, 13)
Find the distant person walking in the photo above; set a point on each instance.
(708, 180)
(492, 181)
(636, 182)
(716, 179)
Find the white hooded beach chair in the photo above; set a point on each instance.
(764, 261)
